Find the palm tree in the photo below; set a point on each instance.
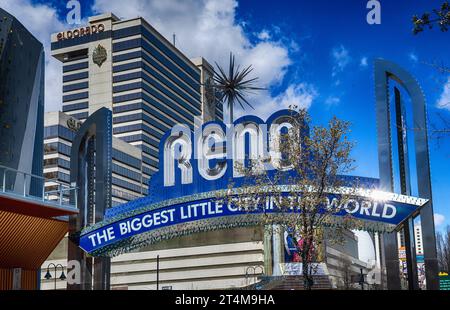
(233, 87)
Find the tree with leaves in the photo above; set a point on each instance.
(310, 161)
(443, 250)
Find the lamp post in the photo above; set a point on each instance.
(361, 279)
(157, 272)
(48, 275)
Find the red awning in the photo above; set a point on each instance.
(29, 231)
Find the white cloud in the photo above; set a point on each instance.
(332, 100)
(444, 99)
(341, 58)
(264, 35)
(439, 219)
(301, 95)
(413, 57)
(208, 28)
(41, 20)
(363, 63)
(205, 28)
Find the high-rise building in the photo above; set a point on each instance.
(21, 101)
(128, 67)
(30, 224)
(128, 181)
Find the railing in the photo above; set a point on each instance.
(33, 186)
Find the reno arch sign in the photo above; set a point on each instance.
(216, 147)
(194, 165)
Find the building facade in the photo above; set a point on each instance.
(30, 225)
(21, 101)
(128, 67)
(128, 180)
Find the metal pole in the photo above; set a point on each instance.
(157, 272)
(411, 259)
(4, 179)
(361, 280)
(55, 277)
(43, 190)
(24, 185)
(60, 193)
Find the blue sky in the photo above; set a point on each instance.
(318, 54)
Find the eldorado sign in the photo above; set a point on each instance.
(195, 166)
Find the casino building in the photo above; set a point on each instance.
(149, 85)
(128, 181)
(128, 67)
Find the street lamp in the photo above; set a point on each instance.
(157, 272)
(361, 279)
(48, 275)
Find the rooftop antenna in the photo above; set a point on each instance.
(174, 39)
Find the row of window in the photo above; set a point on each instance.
(77, 86)
(49, 162)
(75, 106)
(80, 116)
(127, 76)
(144, 148)
(145, 118)
(76, 76)
(135, 43)
(147, 170)
(128, 97)
(141, 85)
(154, 78)
(56, 147)
(127, 185)
(126, 173)
(78, 96)
(187, 118)
(58, 131)
(136, 127)
(147, 106)
(66, 164)
(60, 176)
(194, 88)
(126, 159)
(175, 88)
(148, 150)
(78, 66)
(168, 52)
(148, 160)
(156, 104)
(123, 195)
(149, 78)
